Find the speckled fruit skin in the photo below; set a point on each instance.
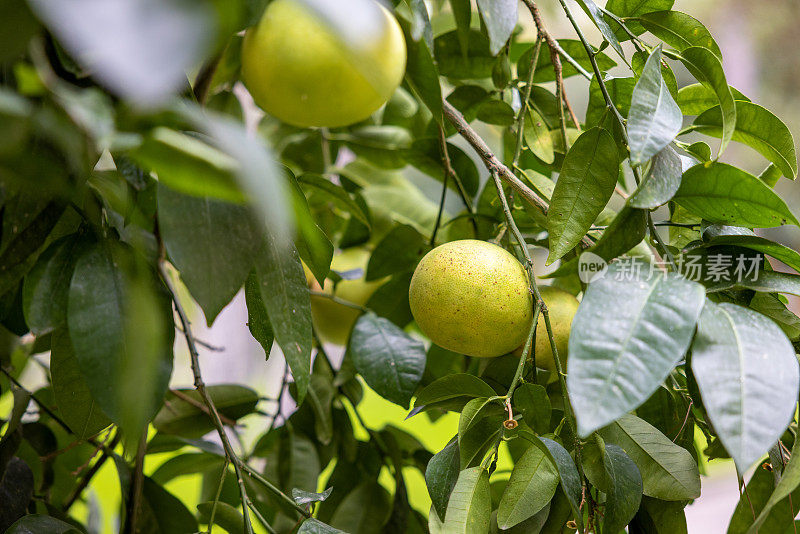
(562, 307)
(334, 321)
(472, 297)
(298, 69)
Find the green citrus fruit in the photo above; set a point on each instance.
(334, 321)
(323, 63)
(562, 307)
(472, 297)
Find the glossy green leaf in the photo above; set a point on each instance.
(669, 472)
(187, 464)
(694, 99)
(679, 30)
(46, 288)
(284, 292)
(122, 332)
(619, 89)
(500, 18)
(226, 516)
(724, 194)
(659, 517)
(654, 118)
(787, 485)
(388, 359)
(767, 281)
(314, 526)
(771, 305)
(212, 243)
(748, 376)
(757, 128)
(537, 137)
(365, 509)
(770, 175)
(707, 69)
(453, 386)
(398, 252)
(312, 244)
(257, 316)
(337, 194)
(780, 252)
(586, 182)
(532, 402)
(532, 484)
(477, 440)
(37, 523)
(661, 183)
(625, 489)
(616, 361)
(597, 17)
(70, 390)
(169, 512)
(475, 410)
(441, 475)
(422, 73)
(631, 9)
(186, 417)
(470, 507)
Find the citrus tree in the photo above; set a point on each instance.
(136, 175)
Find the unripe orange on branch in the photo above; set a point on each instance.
(323, 63)
(472, 297)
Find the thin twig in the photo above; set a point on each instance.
(525, 98)
(338, 300)
(87, 477)
(201, 389)
(255, 475)
(217, 495)
(137, 485)
(445, 179)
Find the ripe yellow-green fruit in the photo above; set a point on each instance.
(562, 307)
(334, 321)
(472, 297)
(323, 63)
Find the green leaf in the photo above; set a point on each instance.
(596, 14)
(628, 9)
(748, 376)
(767, 281)
(388, 359)
(586, 183)
(462, 12)
(476, 410)
(46, 287)
(654, 118)
(661, 183)
(257, 316)
(187, 464)
(707, 69)
(721, 193)
(696, 98)
(305, 497)
(470, 507)
(398, 252)
(669, 472)
(391, 300)
(761, 244)
(614, 369)
(625, 489)
(127, 53)
(475, 442)
(771, 305)
(226, 516)
(37, 523)
(619, 89)
(284, 293)
(659, 517)
(314, 526)
(537, 137)
(532, 402)
(441, 475)
(179, 159)
(70, 390)
(425, 155)
(453, 386)
(364, 510)
(500, 18)
(170, 513)
(422, 74)
(212, 243)
(188, 419)
(532, 484)
(337, 194)
(454, 63)
(787, 485)
(312, 244)
(757, 128)
(679, 30)
(122, 332)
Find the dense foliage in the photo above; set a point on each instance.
(123, 181)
